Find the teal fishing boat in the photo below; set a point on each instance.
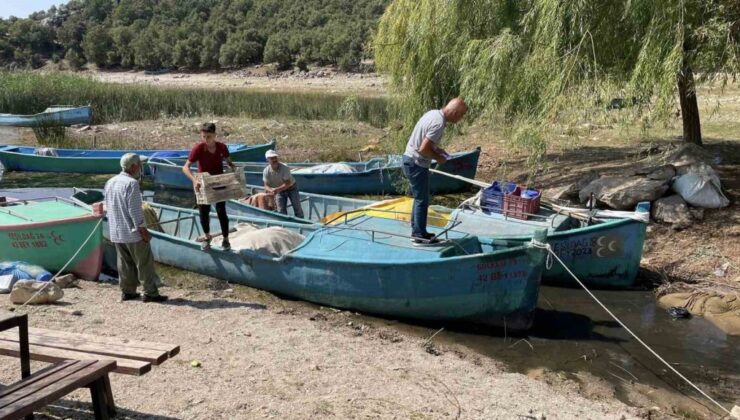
(603, 249)
(54, 116)
(48, 232)
(95, 161)
(382, 175)
(363, 266)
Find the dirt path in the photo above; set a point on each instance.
(265, 361)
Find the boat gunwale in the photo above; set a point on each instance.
(316, 228)
(47, 223)
(9, 150)
(62, 109)
(456, 157)
(52, 222)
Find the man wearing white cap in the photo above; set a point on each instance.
(129, 234)
(279, 181)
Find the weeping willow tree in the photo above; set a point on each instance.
(546, 61)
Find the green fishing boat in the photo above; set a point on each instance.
(49, 232)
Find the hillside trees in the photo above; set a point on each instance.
(193, 34)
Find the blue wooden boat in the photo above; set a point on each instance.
(363, 265)
(604, 253)
(30, 159)
(376, 176)
(53, 116)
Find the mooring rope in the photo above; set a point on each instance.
(546, 246)
(65, 265)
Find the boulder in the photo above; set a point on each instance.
(672, 209)
(559, 193)
(686, 154)
(623, 192)
(696, 213)
(570, 191)
(66, 281)
(26, 289)
(662, 173)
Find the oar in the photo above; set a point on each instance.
(485, 185)
(461, 178)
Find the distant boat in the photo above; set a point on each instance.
(367, 267)
(603, 253)
(97, 161)
(48, 232)
(53, 116)
(375, 176)
(157, 72)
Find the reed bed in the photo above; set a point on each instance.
(27, 92)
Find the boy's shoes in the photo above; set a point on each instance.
(226, 245)
(205, 245)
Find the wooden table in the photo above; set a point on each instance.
(51, 383)
(132, 357)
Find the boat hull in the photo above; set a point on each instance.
(604, 255)
(497, 289)
(19, 158)
(52, 244)
(51, 117)
(461, 292)
(386, 180)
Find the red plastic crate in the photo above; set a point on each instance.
(519, 207)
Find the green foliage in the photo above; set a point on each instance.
(75, 60)
(277, 50)
(545, 61)
(152, 47)
(193, 34)
(96, 45)
(28, 92)
(350, 109)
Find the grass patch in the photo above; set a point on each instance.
(30, 92)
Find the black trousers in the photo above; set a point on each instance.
(205, 218)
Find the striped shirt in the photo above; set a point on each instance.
(124, 206)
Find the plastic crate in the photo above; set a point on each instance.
(520, 207)
(492, 198)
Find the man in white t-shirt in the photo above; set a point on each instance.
(422, 147)
(279, 181)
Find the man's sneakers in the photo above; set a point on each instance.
(426, 239)
(226, 245)
(155, 299)
(135, 296)
(129, 296)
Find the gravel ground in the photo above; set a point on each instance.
(262, 361)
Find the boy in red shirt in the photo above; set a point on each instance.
(210, 155)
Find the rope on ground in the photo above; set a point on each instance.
(65, 265)
(639, 340)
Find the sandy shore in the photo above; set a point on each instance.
(322, 80)
(261, 359)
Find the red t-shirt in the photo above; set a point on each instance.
(213, 163)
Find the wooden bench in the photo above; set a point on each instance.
(47, 385)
